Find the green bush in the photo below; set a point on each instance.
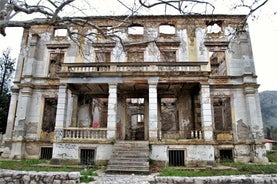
(272, 156)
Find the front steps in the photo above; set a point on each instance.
(129, 157)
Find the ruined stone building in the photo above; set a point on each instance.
(185, 86)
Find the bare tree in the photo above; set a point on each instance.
(51, 12)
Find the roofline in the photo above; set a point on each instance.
(206, 16)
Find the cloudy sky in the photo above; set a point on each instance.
(263, 32)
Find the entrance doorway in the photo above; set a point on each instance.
(135, 119)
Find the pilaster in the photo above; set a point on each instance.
(61, 111)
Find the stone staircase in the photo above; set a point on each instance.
(129, 157)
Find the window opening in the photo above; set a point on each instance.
(49, 115)
(46, 153)
(135, 30)
(222, 113)
(214, 27)
(176, 158)
(103, 56)
(56, 60)
(167, 29)
(218, 63)
(60, 32)
(226, 155)
(87, 156)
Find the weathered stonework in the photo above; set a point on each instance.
(9, 176)
(192, 89)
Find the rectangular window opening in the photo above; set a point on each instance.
(226, 155)
(49, 114)
(46, 153)
(176, 158)
(222, 113)
(103, 56)
(87, 156)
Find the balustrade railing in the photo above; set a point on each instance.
(85, 133)
(194, 134)
(135, 67)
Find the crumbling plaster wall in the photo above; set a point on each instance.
(194, 154)
(71, 151)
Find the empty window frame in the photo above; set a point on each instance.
(46, 153)
(60, 32)
(176, 158)
(49, 115)
(222, 113)
(136, 29)
(87, 156)
(214, 27)
(56, 60)
(101, 56)
(167, 29)
(218, 63)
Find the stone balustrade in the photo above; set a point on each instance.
(134, 67)
(85, 133)
(195, 134)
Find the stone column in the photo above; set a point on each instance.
(22, 117)
(61, 111)
(206, 112)
(11, 115)
(112, 108)
(153, 112)
(255, 124)
(29, 65)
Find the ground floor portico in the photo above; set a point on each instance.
(135, 110)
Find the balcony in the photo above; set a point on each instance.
(139, 68)
(194, 134)
(85, 133)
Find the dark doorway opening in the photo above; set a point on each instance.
(226, 155)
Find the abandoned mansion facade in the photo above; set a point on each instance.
(183, 85)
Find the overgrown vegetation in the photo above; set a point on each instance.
(33, 165)
(272, 156)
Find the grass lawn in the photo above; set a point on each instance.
(235, 169)
(87, 174)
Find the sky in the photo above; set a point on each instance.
(263, 33)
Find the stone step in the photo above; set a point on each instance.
(129, 156)
(131, 153)
(146, 164)
(121, 148)
(124, 159)
(127, 168)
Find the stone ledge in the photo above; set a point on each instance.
(252, 179)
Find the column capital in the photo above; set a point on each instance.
(153, 80)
